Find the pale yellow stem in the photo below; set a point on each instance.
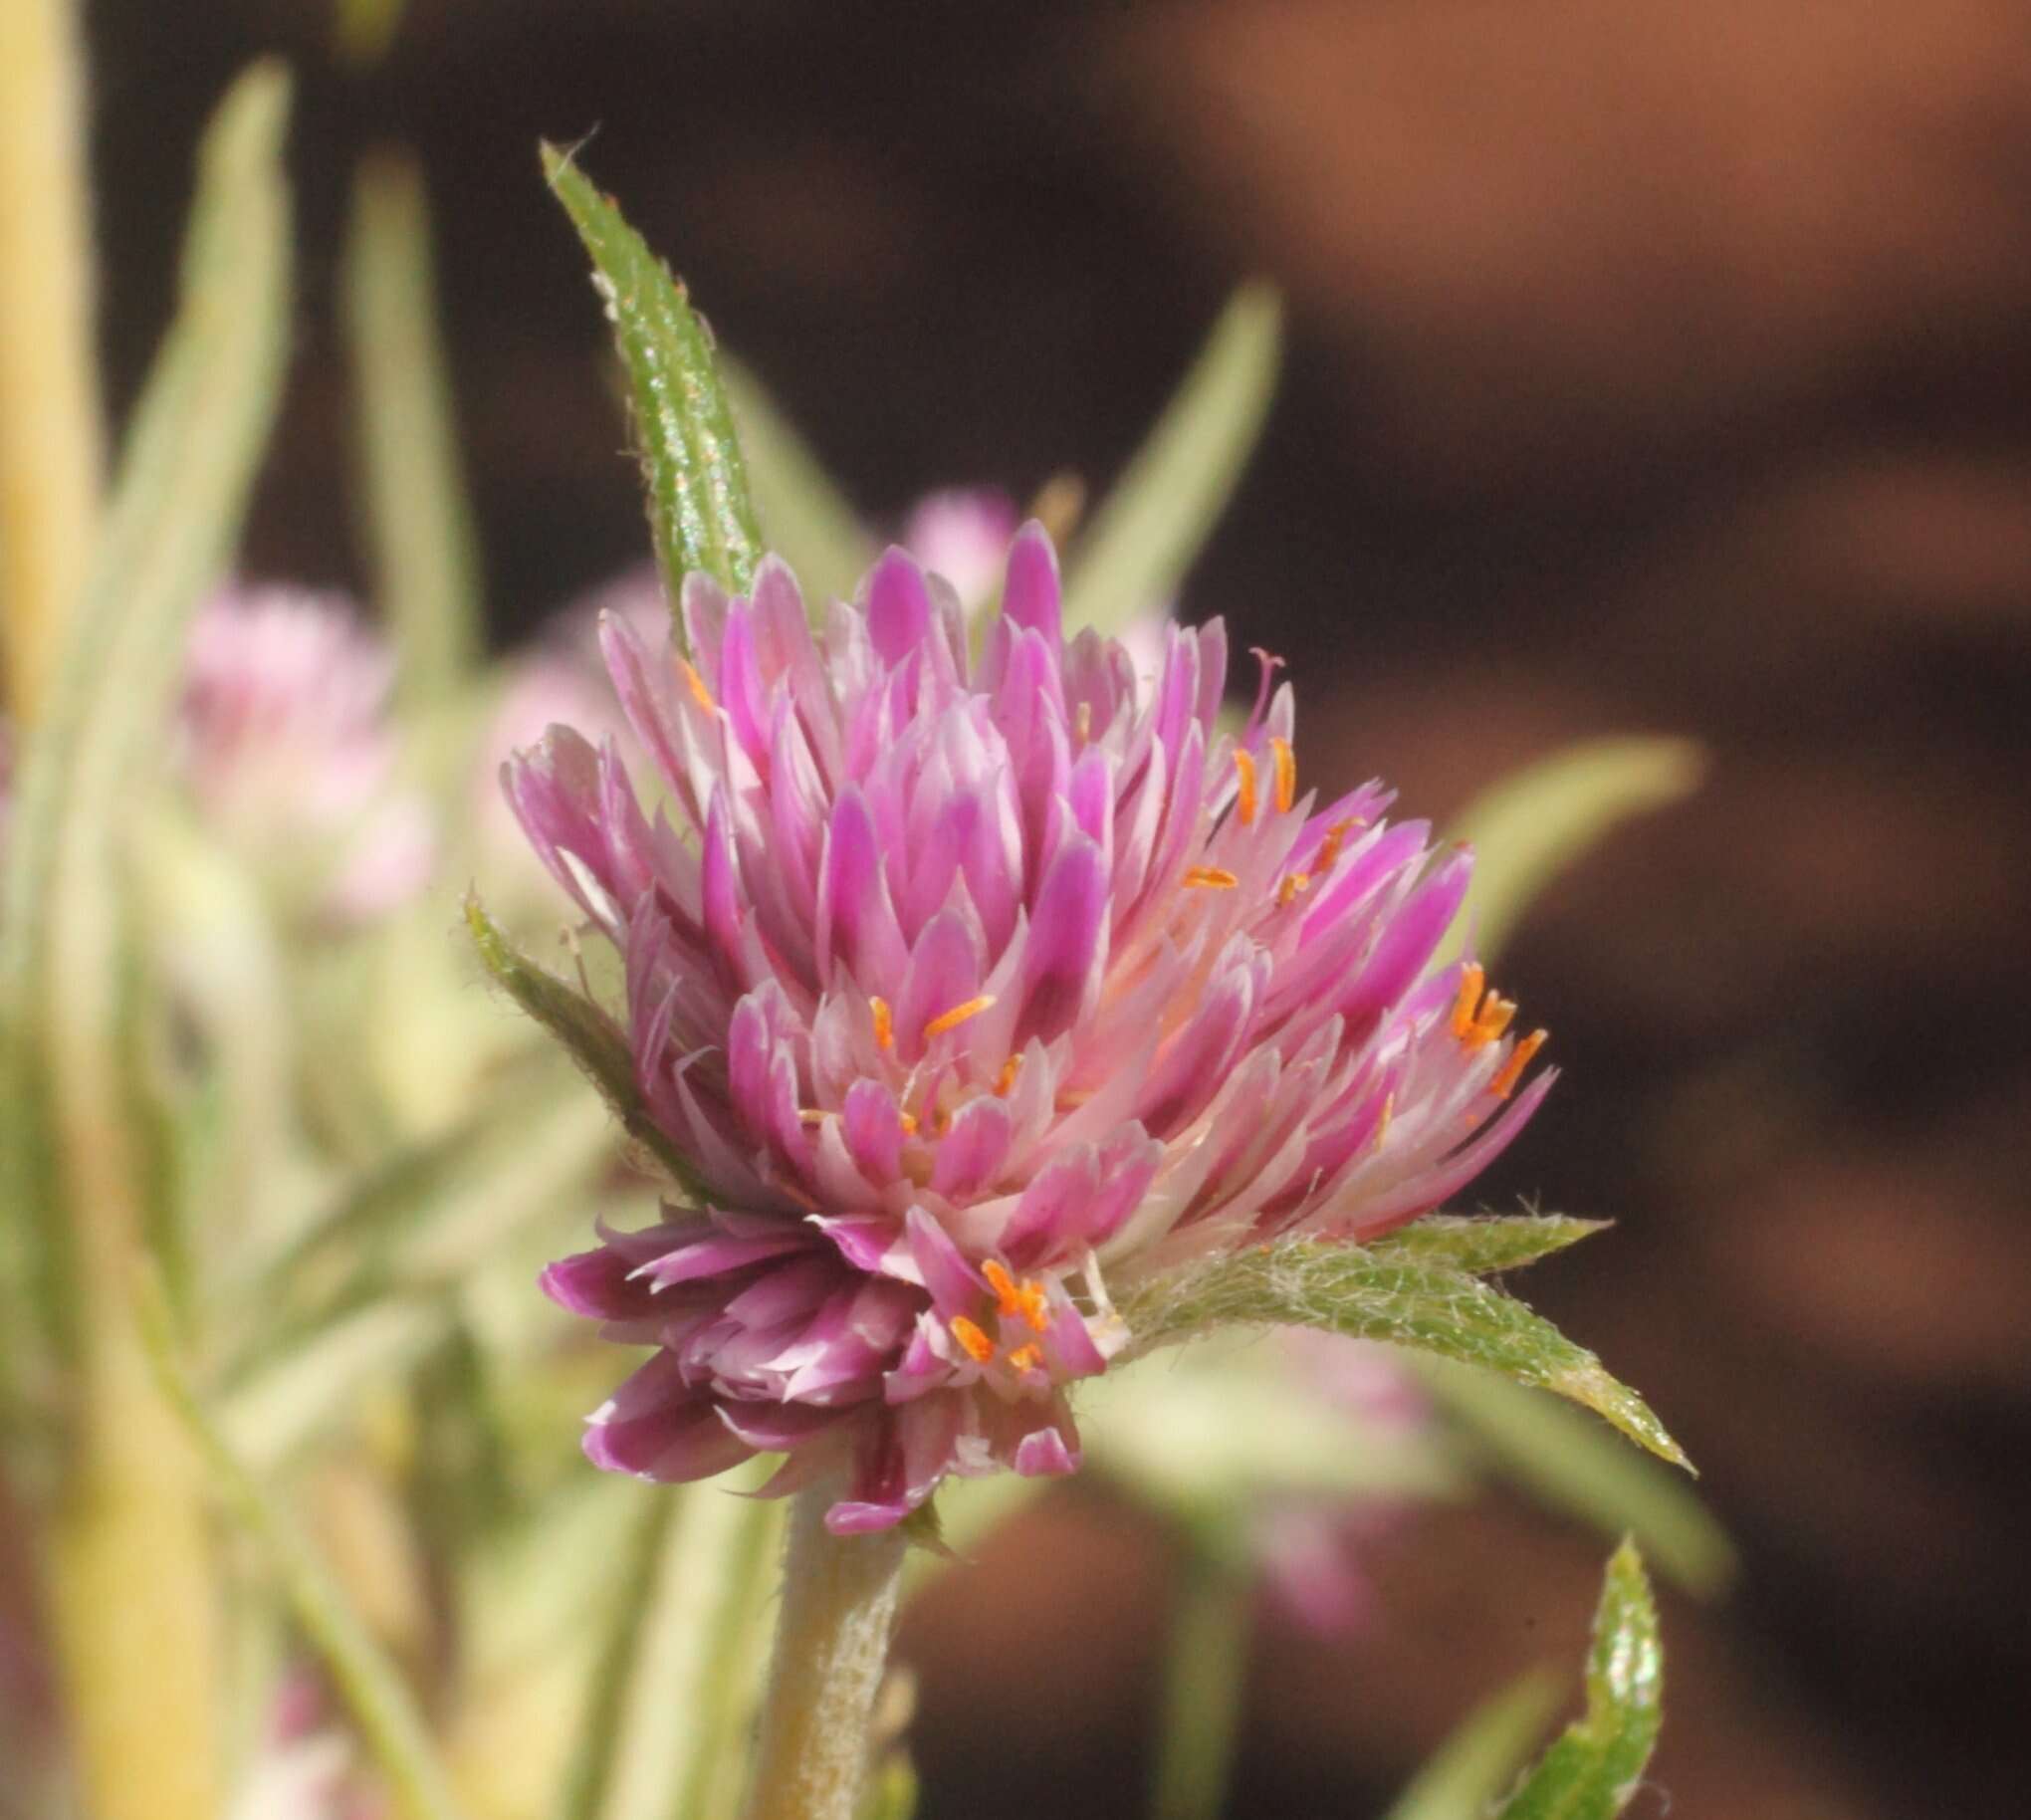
(51, 435)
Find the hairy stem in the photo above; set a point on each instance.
(831, 1646)
(50, 436)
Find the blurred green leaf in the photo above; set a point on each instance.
(1388, 1291)
(1532, 824)
(362, 30)
(276, 1411)
(1151, 527)
(1593, 1771)
(1568, 1463)
(184, 474)
(369, 1683)
(1483, 1756)
(700, 512)
(672, 1698)
(1205, 1660)
(425, 549)
(595, 1042)
(808, 522)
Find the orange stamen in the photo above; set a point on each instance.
(1005, 1082)
(1026, 1358)
(1026, 1298)
(1490, 1022)
(1082, 722)
(958, 1014)
(977, 1345)
(1471, 979)
(1504, 1083)
(908, 1121)
(1336, 839)
(1246, 766)
(810, 1116)
(1214, 878)
(699, 692)
(1382, 1124)
(1286, 892)
(1286, 774)
(884, 1025)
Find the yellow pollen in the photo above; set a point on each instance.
(1244, 764)
(812, 1115)
(1026, 1358)
(1471, 979)
(958, 1014)
(977, 1345)
(908, 1121)
(1005, 1081)
(1214, 878)
(699, 692)
(1286, 892)
(1336, 839)
(884, 1025)
(1504, 1083)
(1286, 774)
(1026, 1298)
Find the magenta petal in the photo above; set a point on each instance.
(1067, 943)
(1030, 595)
(954, 1286)
(778, 1428)
(898, 605)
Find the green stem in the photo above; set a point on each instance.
(831, 1646)
(1205, 1669)
(51, 435)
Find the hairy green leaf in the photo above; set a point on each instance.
(371, 1685)
(1532, 824)
(1485, 1246)
(184, 474)
(1593, 1771)
(700, 512)
(1151, 527)
(420, 522)
(810, 523)
(595, 1042)
(1389, 1291)
(1483, 1756)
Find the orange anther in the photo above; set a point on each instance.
(977, 1345)
(1214, 878)
(1471, 979)
(1286, 774)
(1293, 883)
(1491, 1021)
(1504, 1083)
(699, 692)
(1336, 839)
(1005, 1082)
(884, 1025)
(958, 1014)
(812, 1115)
(1082, 722)
(1382, 1123)
(1026, 1358)
(908, 1121)
(1026, 1298)
(1244, 764)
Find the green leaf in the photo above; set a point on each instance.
(1568, 1463)
(676, 1688)
(1485, 1246)
(1532, 825)
(810, 523)
(1483, 1756)
(1389, 1291)
(595, 1042)
(370, 1684)
(1150, 529)
(1593, 1771)
(1206, 1660)
(700, 512)
(184, 475)
(425, 549)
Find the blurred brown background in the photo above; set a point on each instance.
(1653, 368)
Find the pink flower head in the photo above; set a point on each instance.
(969, 988)
(287, 746)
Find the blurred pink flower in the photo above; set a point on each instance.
(969, 989)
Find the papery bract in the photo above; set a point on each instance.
(974, 988)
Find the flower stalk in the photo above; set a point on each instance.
(839, 1597)
(51, 435)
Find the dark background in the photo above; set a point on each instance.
(1652, 368)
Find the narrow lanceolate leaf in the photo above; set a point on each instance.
(1483, 1247)
(371, 1685)
(1593, 1771)
(593, 1040)
(1483, 1756)
(1389, 1291)
(1532, 825)
(1151, 528)
(419, 522)
(810, 523)
(189, 459)
(700, 512)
